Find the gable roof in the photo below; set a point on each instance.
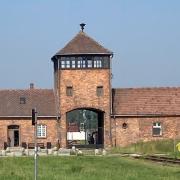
(42, 99)
(139, 101)
(82, 44)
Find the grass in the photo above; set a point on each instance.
(152, 147)
(86, 167)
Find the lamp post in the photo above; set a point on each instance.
(85, 121)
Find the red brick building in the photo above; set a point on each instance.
(83, 96)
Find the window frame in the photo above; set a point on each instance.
(40, 129)
(84, 62)
(22, 100)
(63, 64)
(69, 90)
(157, 125)
(99, 91)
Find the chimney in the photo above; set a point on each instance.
(31, 85)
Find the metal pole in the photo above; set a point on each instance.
(35, 147)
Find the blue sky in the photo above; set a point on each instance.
(144, 36)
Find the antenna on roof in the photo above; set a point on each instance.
(82, 26)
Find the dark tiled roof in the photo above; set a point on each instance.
(42, 99)
(146, 101)
(82, 44)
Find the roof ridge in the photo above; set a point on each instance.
(35, 89)
(161, 87)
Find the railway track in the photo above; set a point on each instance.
(161, 159)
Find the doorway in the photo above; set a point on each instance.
(13, 136)
(85, 128)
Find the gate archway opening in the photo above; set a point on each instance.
(85, 128)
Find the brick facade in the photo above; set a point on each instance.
(26, 130)
(84, 84)
(140, 129)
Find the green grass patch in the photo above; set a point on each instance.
(151, 147)
(89, 168)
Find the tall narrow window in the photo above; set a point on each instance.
(99, 91)
(69, 90)
(89, 63)
(41, 131)
(79, 62)
(97, 62)
(106, 62)
(73, 62)
(157, 129)
(63, 65)
(67, 64)
(83, 64)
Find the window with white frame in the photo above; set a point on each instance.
(157, 129)
(63, 64)
(41, 131)
(89, 63)
(97, 63)
(73, 64)
(67, 64)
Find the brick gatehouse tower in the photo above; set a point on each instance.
(82, 79)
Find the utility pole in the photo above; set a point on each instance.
(34, 123)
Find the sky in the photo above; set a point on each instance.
(143, 35)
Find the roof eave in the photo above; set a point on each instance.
(27, 116)
(55, 57)
(145, 115)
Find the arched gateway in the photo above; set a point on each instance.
(85, 128)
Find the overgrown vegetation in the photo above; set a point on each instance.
(89, 168)
(151, 147)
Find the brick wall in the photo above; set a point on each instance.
(140, 129)
(26, 130)
(84, 83)
(124, 136)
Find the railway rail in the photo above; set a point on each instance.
(160, 159)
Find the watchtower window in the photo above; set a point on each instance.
(99, 91)
(83, 62)
(63, 64)
(67, 64)
(105, 62)
(79, 63)
(97, 62)
(69, 90)
(89, 63)
(73, 62)
(22, 100)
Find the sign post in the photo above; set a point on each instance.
(34, 123)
